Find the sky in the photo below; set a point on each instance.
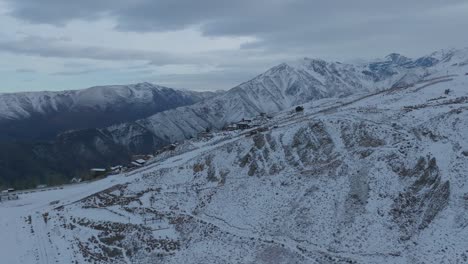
(207, 44)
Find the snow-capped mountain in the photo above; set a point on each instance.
(101, 106)
(284, 86)
(279, 88)
(377, 177)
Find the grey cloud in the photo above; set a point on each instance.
(75, 72)
(211, 81)
(218, 17)
(295, 25)
(25, 70)
(282, 29)
(45, 47)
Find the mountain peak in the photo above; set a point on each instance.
(451, 55)
(397, 58)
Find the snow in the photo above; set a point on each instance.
(319, 186)
(18, 244)
(26, 104)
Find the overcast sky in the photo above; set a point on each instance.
(207, 44)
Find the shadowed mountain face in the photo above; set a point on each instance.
(25, 165)
(43, 115)
(50, 137)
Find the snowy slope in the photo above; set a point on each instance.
(288, 85)
(25, 104)
(99, 106)
(368, 178)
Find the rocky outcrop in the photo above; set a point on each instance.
(415, 208)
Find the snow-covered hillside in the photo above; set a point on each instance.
(375, 177)
(287, 85)
(101, 106)
(26, 104)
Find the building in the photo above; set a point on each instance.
(6, 196)
(136, 164)
(231, 127)
(40, 186)
(205, 134)
(140, 161)
(3, 196)
(243, 125)
(96, 172)
(169, 147)
(116, 169)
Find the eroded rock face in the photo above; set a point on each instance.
(416, 207)
(361, 135)
(313, 144)
(311, 147)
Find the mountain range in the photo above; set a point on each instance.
(139, 125)
(51, 113)
(281, 87)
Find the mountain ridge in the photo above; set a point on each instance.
(99, 106)
(286, 85)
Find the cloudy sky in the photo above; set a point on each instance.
(207, 44)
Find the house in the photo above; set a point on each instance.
(299, 108)
(170, 147)
(75, 180)
(96, 172)
(3, 196)
(140, 161)
(205, 134)
(6, 196)
(231, 127)
(116, 169)
(136, 164)
(243, 125)
(40, 186)
(265, 116)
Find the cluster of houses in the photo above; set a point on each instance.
(170, 147)
(245, 123)
(248, 123)
(137, 161)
